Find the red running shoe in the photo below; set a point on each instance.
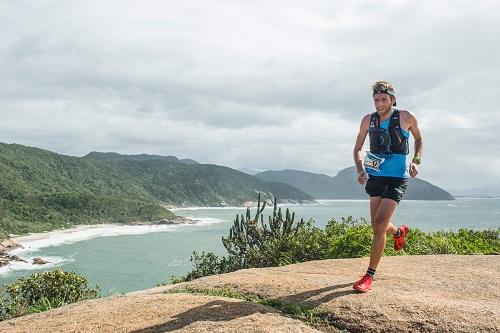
(364, 284)
(399, 242)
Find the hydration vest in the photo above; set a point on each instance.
(390, 140)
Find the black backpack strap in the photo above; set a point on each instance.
(399, 143)
(394, 122)
(374, 120)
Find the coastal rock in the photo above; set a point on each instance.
(445, 293)
(5, 259)
(8, 245)
(40, 261)
(16, 258)
(176, 220)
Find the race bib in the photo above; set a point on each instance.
(373, 161)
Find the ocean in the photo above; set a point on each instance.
(128, 258)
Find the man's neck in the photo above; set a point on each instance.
(385, 116)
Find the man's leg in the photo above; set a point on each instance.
(381, 225)
(381, 211)
(374, 206)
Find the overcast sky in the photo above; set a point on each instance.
(259, 84)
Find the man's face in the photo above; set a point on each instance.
(383, 103)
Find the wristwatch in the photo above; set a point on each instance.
(416, 160)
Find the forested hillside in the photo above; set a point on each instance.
(42, 190)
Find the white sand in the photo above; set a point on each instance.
(36, 241)
(48, 234)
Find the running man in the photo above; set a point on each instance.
(385, 171)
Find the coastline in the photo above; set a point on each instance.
(10, 247)
(46, 234)
(84, 227)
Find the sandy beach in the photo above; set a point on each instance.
(19, 251)
(58, 232)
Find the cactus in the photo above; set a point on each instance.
(246, 234)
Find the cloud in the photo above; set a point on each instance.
(262, 84)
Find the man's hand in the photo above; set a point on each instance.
(413, 169)
(362, 177)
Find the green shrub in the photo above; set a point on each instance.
(464, 241)
(349, 238)
(44, 291)
(208, 263)
(307, 243)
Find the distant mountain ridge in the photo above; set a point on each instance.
(318, 186)
(345, 186)
(489, 191)
(111, 156)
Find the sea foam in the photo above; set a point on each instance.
(35, 242)
(174, 209)
(23, 266)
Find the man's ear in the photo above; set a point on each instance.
(393, 98)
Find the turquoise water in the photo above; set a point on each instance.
(134, 258)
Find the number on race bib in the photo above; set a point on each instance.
(373, 161)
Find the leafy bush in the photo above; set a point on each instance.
(44, 291)
(208, 263)
(348, 239)
(464, 241)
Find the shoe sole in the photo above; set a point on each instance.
(361, 290)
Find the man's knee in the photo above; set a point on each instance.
(379, 227)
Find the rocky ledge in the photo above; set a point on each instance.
(411, 294)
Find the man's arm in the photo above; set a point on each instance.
(419, 144)
(360, 140)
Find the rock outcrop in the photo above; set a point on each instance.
(40, 261)
(411, 294)
(7, 245)
(176, 220)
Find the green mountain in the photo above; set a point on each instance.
(41, 190)
(317, 185)
(345, 186)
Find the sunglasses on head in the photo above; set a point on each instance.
(385, 91)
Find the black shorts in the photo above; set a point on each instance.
(386, 187)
